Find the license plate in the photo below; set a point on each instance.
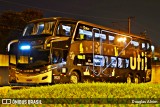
(57, 77)
(29, 79)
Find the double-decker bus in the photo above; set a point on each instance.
(55, 50)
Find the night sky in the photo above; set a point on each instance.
(110, 13)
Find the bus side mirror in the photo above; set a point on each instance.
(10, 43)
(48, 41)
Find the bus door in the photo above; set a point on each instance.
(98, 58)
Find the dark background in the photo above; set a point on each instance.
(110, 13)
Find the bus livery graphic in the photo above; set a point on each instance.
(139, 63)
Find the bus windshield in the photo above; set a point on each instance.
(34, 58)
(39, 28)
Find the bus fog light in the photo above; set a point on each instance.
(64, 70)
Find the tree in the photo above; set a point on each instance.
(30, 14)
(12, 24)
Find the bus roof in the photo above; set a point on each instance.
(53, 18)
(113, 30)
(91, 24)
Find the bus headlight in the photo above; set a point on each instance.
(25, 47)
(64, 70)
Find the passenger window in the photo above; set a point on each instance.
(105, 37)
(58, 56)
(135, 44)
(145, 45)
(100, 37)
(99, 60)
(107, 61)
(127, 63)
(85, 32)
(65, 29)
(121, 63)
(113, 62)
(111, 39)
(148, 46)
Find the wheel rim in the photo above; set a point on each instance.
(129, 80)
(136, 80)
(74, 79)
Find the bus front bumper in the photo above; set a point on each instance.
(39, 78)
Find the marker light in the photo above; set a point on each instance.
(25, 47)
(64, 70)
(121, 39)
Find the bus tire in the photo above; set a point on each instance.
(74, 77)
(129, 78)
(137, 79)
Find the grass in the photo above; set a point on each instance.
(87, 90)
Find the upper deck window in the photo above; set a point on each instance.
(140, 44)
(111, 39)
(145, 45)
(135, 44)
(39, 28)
(65, 28)
(85, 32)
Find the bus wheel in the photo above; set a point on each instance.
(74, 78)
(137, 79)
(129, 79)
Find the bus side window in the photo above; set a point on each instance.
(83, 33)
(100, 37)
(148, 46)
(145, 45)
(121, 63)
(99, 60)
(58, 56)
(126, 63)
(107, 61)
(113, 62)
(111, 39)
(105, 37)
(135, 44)
(65, 29)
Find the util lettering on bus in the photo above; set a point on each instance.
(139, 62)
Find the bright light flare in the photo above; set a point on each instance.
(25, 47)
(121, 39)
